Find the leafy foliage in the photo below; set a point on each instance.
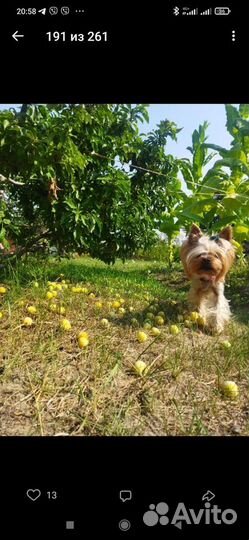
(221, 195)
(83, 179)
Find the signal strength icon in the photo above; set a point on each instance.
(207, 12)
(192, 12)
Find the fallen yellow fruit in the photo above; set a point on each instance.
(76, 289)
(65, 324)
(58, 286)
(3, 290)
(116, 304)
(99, 305)
(28, 321)
(226, 344)
(32, 310)
(134, 322)
(201, 321)
(122, 310)
(62, 310)
(230, 389)
(147, 325)
(155, 331)
(53, 307)
(36, 284)
(49, 295)
(194, 316)
(104, 322)
(140, 367)
(174, 329)
(82, 334)
(1, 315)
(83, 342)
(161, 314)
(141, 336)
(159, 320)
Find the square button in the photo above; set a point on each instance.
(70, 525)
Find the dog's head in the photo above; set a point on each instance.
(207, 258)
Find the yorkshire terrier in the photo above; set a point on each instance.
(206, 261)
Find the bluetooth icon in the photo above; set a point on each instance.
(176, 10)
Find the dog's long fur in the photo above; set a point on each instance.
(206, 262)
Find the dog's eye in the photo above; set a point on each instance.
(217, 255)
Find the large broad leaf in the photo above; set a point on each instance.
(223, 221)
(230, 203)
(201, 205)
(187, 174)
(169, 226)
(191, 216)
(222, 151)
(198, 162)
(232, 164)
(241, 229)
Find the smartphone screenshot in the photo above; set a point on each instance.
(124, 270)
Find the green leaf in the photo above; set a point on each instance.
(231, 204)
(244, 111)
(232, 116)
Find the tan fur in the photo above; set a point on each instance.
(206, 263)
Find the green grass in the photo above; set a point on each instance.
(49, 385)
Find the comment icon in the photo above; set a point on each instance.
(125, 495)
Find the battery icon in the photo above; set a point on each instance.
(222, 11)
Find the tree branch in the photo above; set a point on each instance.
(11, 181)
(30, 246)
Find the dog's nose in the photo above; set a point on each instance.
(206, 263)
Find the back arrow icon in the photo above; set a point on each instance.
(16, 35)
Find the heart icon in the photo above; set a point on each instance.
(33, 494)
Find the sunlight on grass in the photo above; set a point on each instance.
(111, 382)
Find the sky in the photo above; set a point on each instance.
(189, 117)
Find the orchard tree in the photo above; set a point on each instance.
(64, 179)
(156, 185)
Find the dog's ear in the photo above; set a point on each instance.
(194, 234)
(226, 233)
(195, 230)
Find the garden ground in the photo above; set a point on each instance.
(50, 386)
